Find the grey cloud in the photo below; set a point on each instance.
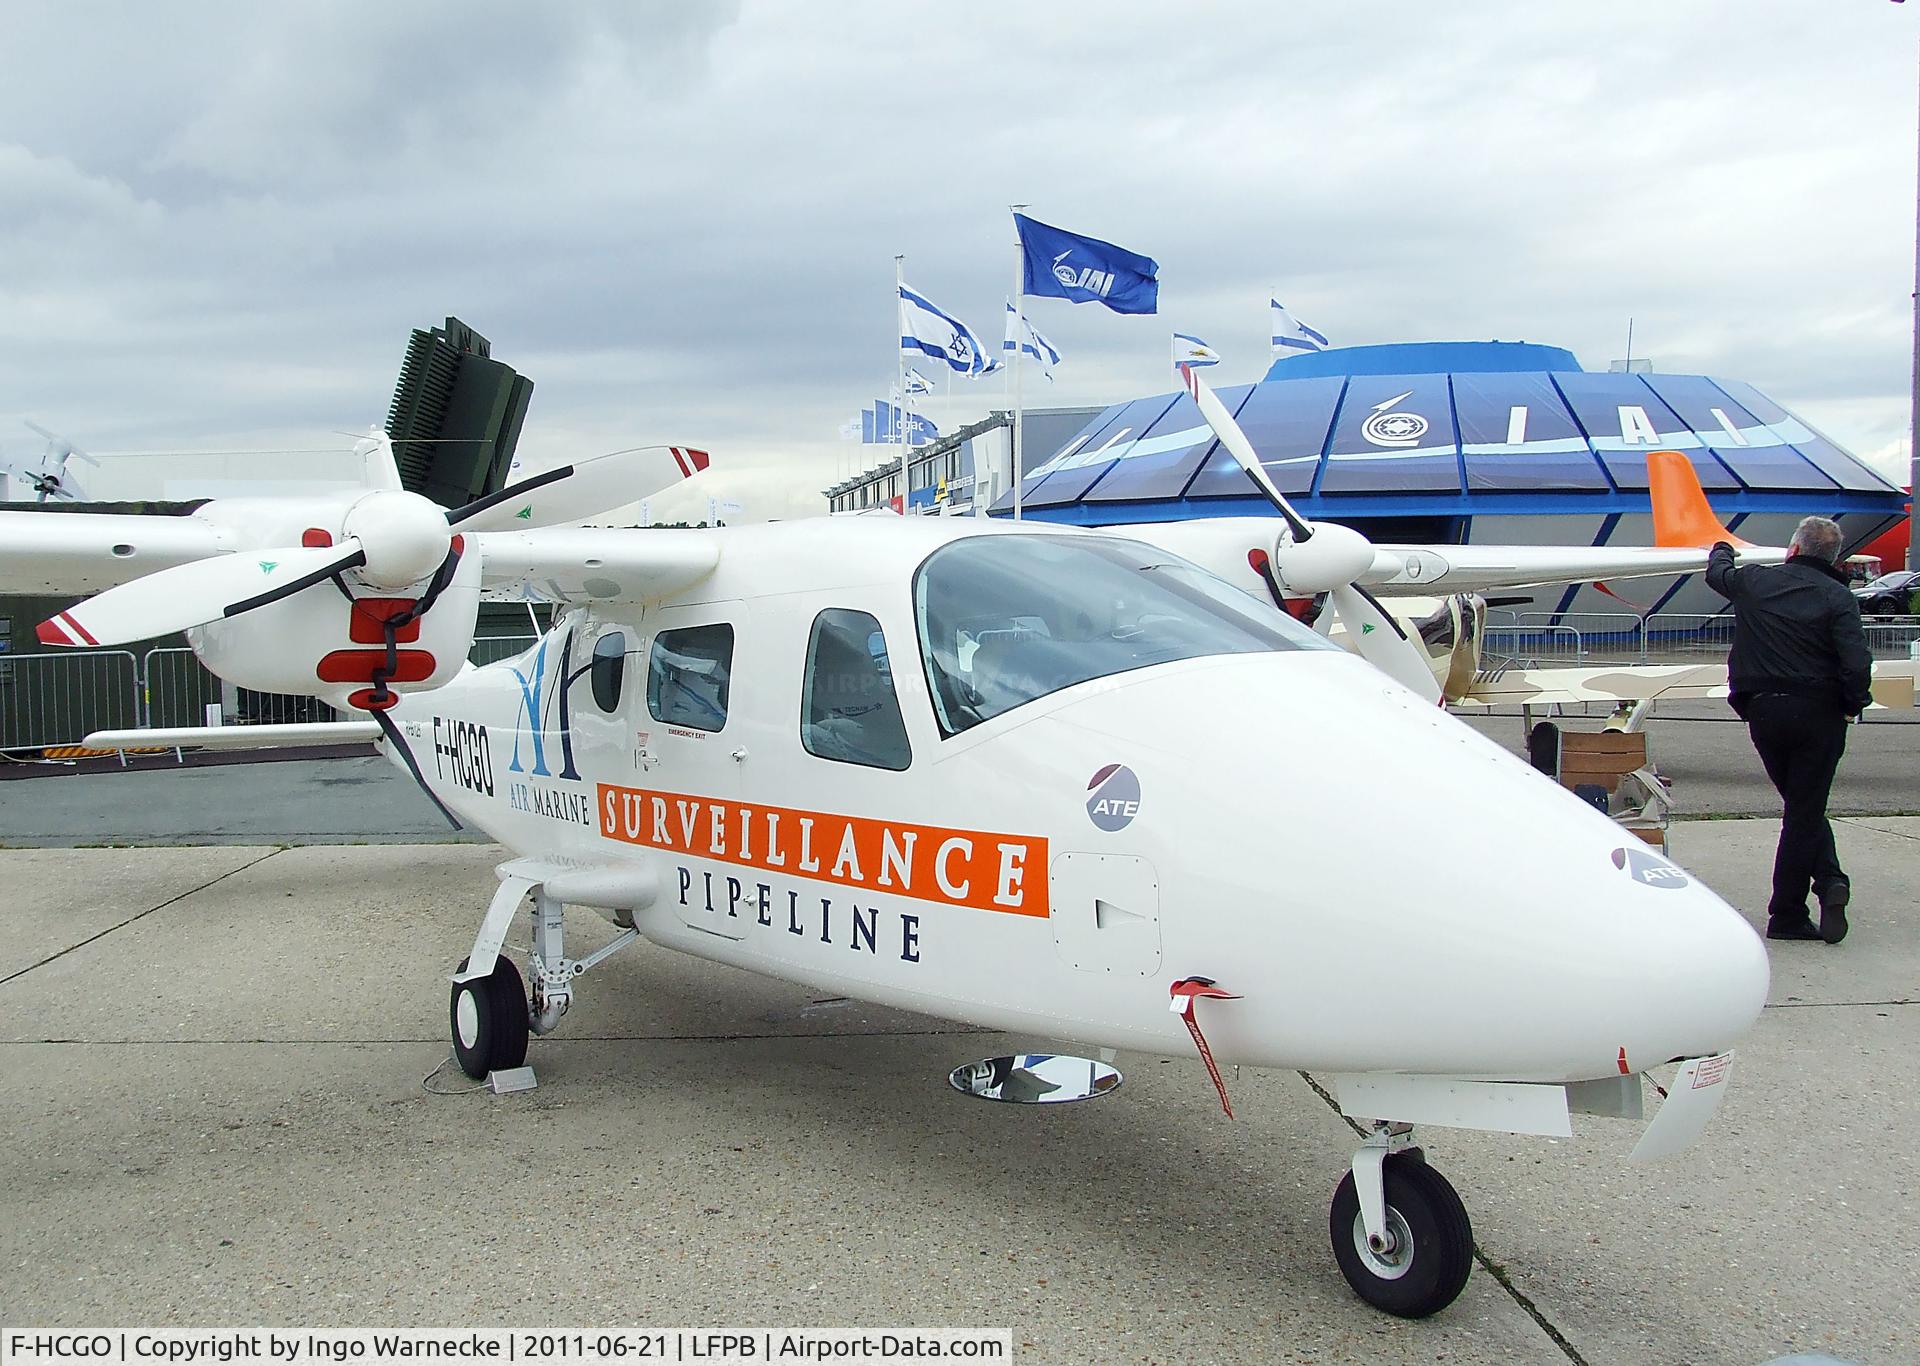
(680, 219)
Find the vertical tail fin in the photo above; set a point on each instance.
(1681, 515)
(378, 468)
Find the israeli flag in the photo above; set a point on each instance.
(1190, 350)
(1290, 334)
(933, 332)
(918, 383)
(1024, 336)
(1064, 265)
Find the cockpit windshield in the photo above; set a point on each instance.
(1006, 619)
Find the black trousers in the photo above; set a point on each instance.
(1800, 740)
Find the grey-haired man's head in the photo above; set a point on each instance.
(1817, 538)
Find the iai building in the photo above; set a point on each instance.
(1468, 443)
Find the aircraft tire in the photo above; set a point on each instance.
(488, 1020)
(1425, 1212)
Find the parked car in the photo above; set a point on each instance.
(1890, 595)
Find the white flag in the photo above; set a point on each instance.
(1024, 336)
(931, 331)
(1190, 350)
(1290, 335)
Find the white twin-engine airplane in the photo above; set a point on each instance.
(1051, 782)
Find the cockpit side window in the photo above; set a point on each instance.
(689, 672)
(848, 710)
(1005, 619)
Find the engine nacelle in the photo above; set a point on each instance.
(1332, 557)
(321, 644)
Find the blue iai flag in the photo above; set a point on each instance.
(1085, 270)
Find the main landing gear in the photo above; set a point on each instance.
(490, 1013)
(1399, 1231)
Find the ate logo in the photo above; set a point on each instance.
(1113, 797)
(1643, 865)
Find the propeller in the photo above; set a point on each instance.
(1310, 558)
(390, 540)
(50, 478)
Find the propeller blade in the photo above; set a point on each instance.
(572, 492)
(58, 447)
(196, 593)
(1381, 642)
(1223, 424)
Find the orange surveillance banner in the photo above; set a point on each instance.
(979, 869)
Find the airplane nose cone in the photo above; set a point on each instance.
(1699, 975)
(1392, 891)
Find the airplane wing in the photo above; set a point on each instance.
(1684, 525)
(593, 564)
(43, 553)
(1894, 682)
(1402, 570)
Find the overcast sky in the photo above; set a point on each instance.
(218, 222)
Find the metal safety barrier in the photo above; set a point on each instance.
(1892, 637)
(54, 699)
(1534, 646)
(178, 690)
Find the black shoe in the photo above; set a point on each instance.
(1833, 912)
(1793, 929)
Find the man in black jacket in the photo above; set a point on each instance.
(1799, 671)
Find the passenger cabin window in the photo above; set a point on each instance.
(848, 710)
(1005, 619)
(688, 673)
(609, 670)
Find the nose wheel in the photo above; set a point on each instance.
(1411, 1253)
(488, 1016)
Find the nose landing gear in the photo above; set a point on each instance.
(490, 1013)
(1399, 1231)
(488, 1016)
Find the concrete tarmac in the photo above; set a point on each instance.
(212, 1062)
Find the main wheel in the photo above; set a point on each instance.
(1430, 1242)
(488, 1017)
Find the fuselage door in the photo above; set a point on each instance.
(693, 750)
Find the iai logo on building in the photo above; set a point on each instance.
(1389, 428)
(1114, 797)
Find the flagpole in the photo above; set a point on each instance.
(900, 371)
(1019, 316)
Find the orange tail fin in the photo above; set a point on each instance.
(1681, 516)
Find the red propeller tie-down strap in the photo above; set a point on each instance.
(1183, 995)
